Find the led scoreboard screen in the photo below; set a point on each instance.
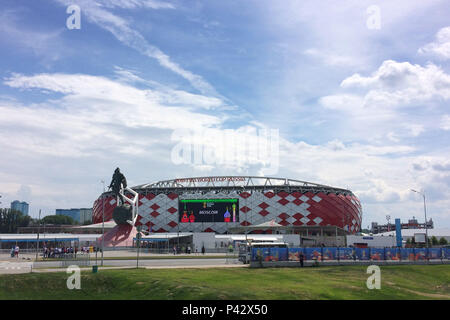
(208, 210)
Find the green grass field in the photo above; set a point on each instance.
(349, 282)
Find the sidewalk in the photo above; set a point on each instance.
(113, 254)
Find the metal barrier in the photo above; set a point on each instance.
(232, 257)
(79, 259)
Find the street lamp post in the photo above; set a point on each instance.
(425, 211)
(138, 242)
(103, 219)
(37, 238)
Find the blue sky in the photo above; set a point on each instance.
(355, 106)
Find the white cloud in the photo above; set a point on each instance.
(400, 83)
(120, 28)
(398, 100)
(331, 59)
(44, 44)
(86, 114)
(132, 4)
(440, 47)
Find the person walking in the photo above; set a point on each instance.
(16, 252)
(203, 250)
(301, 258)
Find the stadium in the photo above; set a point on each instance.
(222, 204)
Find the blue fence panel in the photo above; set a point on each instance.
(363, 253)
(346, 253)
(283, 254)
(294, 254)
(263, 252)
(278, 254)
(447, 253)
(376, 254)
(421, 253)
(329, 254)
(435, 253)
(392, 253)
(270, 254)
(313, 253)
(408, 254)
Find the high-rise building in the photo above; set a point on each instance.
(21, 206)
(78, 214)
(85, 215)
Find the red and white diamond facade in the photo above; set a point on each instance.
(288, 202)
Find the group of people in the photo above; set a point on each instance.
(187, 250)
(15, 252)
(57, 252)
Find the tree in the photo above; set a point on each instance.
(10, 220)
(58, 220)
(434, 241)
(443, 241)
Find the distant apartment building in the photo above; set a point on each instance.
(412, 224)
(85, 215)
(80, 215)
(21, 206)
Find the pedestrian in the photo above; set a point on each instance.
(203, 250)
(16, 251)
(12, 252)
(174, 250)
(189, 249)
(301, 257)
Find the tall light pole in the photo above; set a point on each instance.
(103, 219)
(425, 211)
(37, 239)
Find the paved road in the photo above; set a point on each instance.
(8, 267)
(111, 253)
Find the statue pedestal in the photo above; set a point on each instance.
(120, 236)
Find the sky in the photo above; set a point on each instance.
(352, 94)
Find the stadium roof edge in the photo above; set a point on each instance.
(231, 181)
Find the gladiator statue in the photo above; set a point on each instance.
(118, 181)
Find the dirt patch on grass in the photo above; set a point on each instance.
(429, 295)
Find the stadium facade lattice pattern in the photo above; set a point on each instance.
(288, 202)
